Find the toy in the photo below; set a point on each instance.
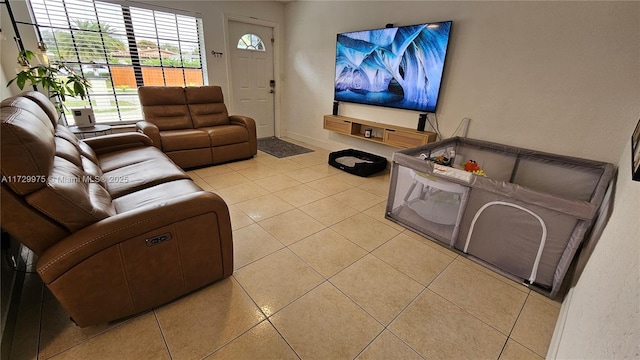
(441, 160)
(472, 167)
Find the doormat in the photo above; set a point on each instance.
(280, 148)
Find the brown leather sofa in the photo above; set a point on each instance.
(192, 126)
(117, 226)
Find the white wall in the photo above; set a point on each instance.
(561, 77)
(600, 316)
(4, 92)
(9, 49)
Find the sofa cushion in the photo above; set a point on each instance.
(87, 152)
(204, 94)
(45, 104)
(121, 158)
(130, 178)
(65, 133)
(191, 158)
(28, 145)
(84, 150)
(70, 198)
(68, 151)
(31, 107)
(155, 194)
(165, 106)
(208, 115)
(206, 106)
(173, 140)
(78, 152)
(91, 169)
(168, 117)
(227, 134)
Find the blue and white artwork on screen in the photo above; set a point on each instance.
(398, 67)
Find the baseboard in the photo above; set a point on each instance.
(554, 345)
(328, 145)
(351, 143)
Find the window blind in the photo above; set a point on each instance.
(118, 48)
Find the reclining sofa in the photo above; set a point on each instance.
(117, 226)
(192, 126)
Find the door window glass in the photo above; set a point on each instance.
(251, 42)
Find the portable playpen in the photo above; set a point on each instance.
(526, 218)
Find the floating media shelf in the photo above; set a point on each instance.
(391, 135)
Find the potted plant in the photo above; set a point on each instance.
(57, 79)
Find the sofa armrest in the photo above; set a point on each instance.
(151, 130)
(113, 142)
(242, 120)
(120, 228)
(250, 124)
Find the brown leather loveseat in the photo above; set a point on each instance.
(117, 226)
(192, 126)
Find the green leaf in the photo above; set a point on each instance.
(22, 79)
(79, 89)
(46, 83)
(28, 54)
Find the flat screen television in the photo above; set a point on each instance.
(398, 67)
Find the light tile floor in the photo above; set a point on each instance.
(320, 274)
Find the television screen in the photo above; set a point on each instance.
(398, 67)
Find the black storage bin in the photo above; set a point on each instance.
(357, 162)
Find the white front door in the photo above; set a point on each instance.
(252, 77)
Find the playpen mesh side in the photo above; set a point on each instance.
(424, 202)
(569, 181)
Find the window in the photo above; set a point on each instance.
(119, 48)
(251, 42)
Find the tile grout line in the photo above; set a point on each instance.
(514, 326)
(280, 334)
(164, 339)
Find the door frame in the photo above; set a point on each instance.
(276, 62)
